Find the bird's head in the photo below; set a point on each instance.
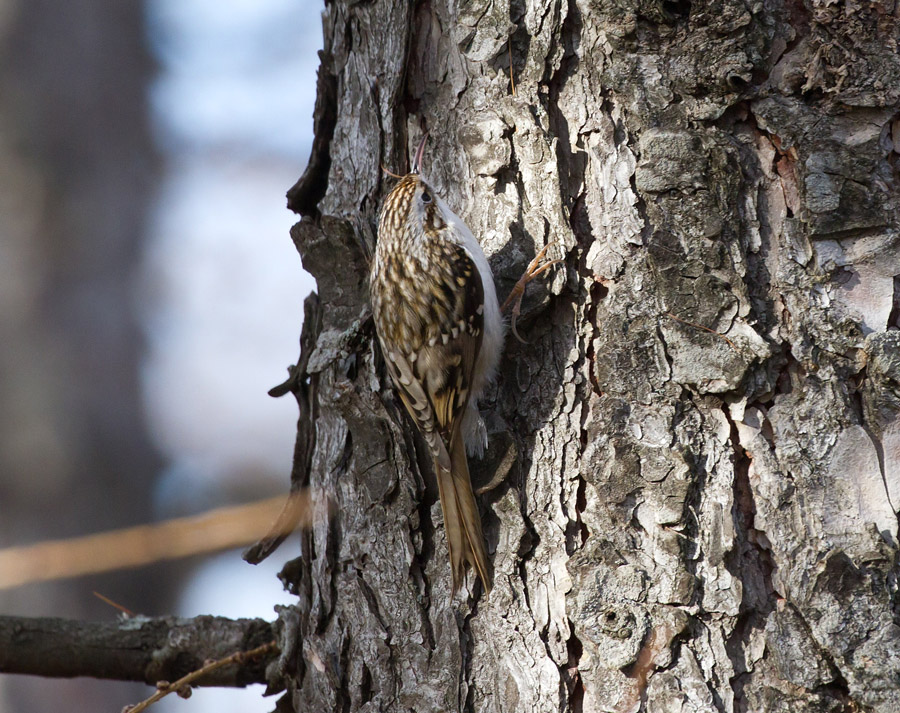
(412, 209)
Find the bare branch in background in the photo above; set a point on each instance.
(216, 530)
(134, 649)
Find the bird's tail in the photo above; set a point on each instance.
(462, 522)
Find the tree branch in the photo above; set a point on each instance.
(183, 685)
(135, 649)
(218, 529)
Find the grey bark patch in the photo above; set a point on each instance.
(704, 418)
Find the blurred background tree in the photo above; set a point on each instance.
(148, 294)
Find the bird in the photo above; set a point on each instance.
(441, 331)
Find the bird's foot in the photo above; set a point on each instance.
(535, 268)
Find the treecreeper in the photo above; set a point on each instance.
(441, 331)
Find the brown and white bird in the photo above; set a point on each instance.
(441, 332)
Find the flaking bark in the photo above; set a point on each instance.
(701, 511)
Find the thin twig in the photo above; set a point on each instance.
(180, 686)
(705, 329)
(115, 605)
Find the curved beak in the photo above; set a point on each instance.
(417, 161)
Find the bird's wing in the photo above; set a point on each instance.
(449, 356)
(433, 374)
(418, 405)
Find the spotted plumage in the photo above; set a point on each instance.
(439, 325)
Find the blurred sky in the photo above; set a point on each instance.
(221, 292)
(222, 297)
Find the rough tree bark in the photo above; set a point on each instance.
(702, 434)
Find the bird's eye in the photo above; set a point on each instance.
(426, 197)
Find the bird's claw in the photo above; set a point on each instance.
(534, 269)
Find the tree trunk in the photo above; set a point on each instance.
(698, 449)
